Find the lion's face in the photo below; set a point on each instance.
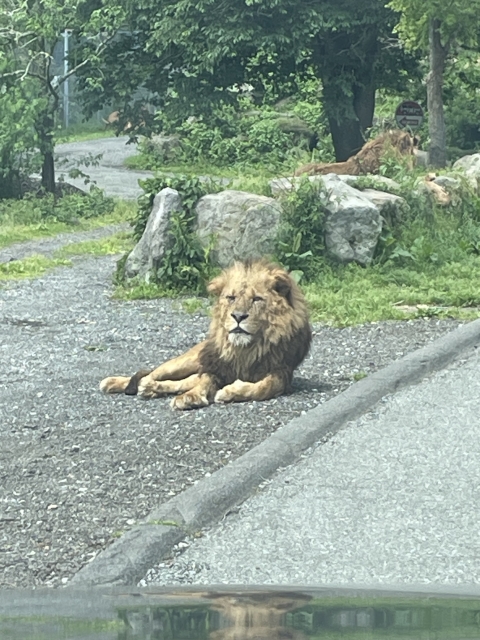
(257, 303)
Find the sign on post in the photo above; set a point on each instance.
(409, 114)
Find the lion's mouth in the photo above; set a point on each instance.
(239, 329)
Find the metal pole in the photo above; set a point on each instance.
(66, 36)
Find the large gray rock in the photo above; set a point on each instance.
(392, 208)
(353, 223)
(164, 147)
(143, 261)
(470, 166)
(281, 186)
(244, 225)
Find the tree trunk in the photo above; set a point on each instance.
(48, 172)
(44, 127)
(346, 64)
(436, 121)
(347, 137)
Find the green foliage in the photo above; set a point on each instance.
(193, 56)
(427, 234)
(31, 267)
(29, 78)
(458, 21)
(462, 106)
(191, 189)
(69, 209)
(186, 265)
(300, 243)
(238, 138)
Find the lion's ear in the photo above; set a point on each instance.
(282, 284)
(216, 285)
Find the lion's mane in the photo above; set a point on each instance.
(282, 337)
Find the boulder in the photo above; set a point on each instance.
(353, 223)
(244, 225)
(470, 166)
(391, 207)
(165, 148)
(421, 158)
(144, 259)
(280, 186)
(448, 182)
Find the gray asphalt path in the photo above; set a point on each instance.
(392, 498)
(110, 175)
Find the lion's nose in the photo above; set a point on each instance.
(239, 316)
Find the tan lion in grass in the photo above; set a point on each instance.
(259, 333)
(369, 158)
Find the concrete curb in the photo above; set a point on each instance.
(128, 559)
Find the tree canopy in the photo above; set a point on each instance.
(188, 52)
(439, 29)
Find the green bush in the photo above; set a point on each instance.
(428, 234)
(69, 209)
(190, 190)
(300, 243)
(186, 265)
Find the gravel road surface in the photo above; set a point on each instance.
(392, 498)
(77, 468)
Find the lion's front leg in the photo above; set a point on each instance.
(269, 387)
(201, 395)
(179, 368)
(149, 388)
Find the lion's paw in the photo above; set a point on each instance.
(114, 384)
(231, 392)
(189, 400)
(149, 388)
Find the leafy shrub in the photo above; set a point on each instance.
(186, 265)
(428, 234)
(69, 209)
(190, 190)
(301, 239)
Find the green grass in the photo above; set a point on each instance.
(31, 267)
(143, 162)
(143, 291)
(354, 295)
(18, 224)
(112, 245)
(252, 180)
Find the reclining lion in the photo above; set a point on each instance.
(259, 334)
(369, 158)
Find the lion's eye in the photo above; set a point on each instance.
(230, 298)
(258, 299)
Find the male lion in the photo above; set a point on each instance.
(258, 335)
(369, 158)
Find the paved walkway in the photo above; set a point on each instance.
(392, 498)
(110, 175)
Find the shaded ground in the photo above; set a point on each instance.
(77, 467)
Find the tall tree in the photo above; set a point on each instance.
(29, 32)
(438, 28)
(191, 51)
